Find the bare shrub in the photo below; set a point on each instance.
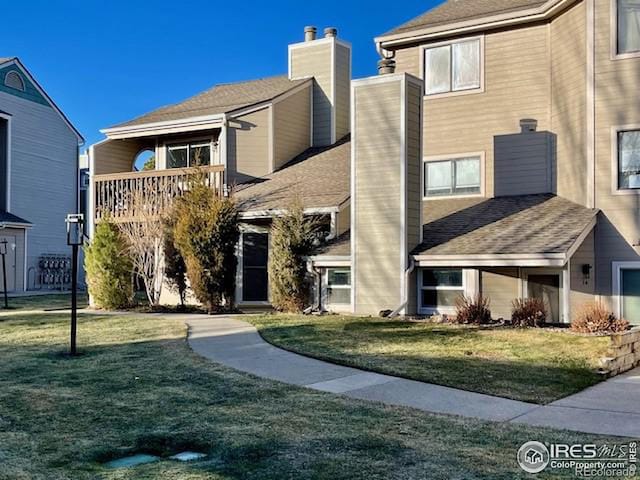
(528, 312)
(473, 310)
(593, 317)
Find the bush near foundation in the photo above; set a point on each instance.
(528, 312)
(593, 317)
(473, 310)
(292, 238)
(175, 270)
(109, 268)
(206, 234)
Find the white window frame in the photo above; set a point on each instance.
(616, 284)
(614, 35)
(457, 156)
(190, 143)
(422, 51)
(466, 289)
(335, 307)
(615, 152)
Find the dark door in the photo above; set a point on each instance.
(255, 257)
(547, 289)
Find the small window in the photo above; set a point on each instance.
(441, 288)
(628, 26)
(188, 155)
(629, 160)
(452, 68)
(460, 176)
(14, 80)
(338, 286)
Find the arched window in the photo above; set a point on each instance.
(14, 80)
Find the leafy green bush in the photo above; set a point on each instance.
(109, 268)
(528, 312)
(473, 310)
(292, 237)
(594, 318)
(175, 270)
(206, 234)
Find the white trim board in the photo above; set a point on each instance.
(530, 15)
(9, 119)
(616, 284)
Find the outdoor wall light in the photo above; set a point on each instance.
(586, 271)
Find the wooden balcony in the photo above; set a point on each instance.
(125, 197)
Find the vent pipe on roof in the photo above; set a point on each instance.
(310, 33)
(330, 32)
(386, 66)
(528, 125)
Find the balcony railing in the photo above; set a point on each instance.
(125, 197)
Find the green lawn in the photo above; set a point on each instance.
(55, 301)
(530, 365)
(138, 387)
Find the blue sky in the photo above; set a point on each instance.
(105, 61)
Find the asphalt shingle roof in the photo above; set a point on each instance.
(454, 11)
(6, 217)
(528, 224)
(219, 99)
(319, 178)
(338, 247)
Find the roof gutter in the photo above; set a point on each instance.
(158, 128)
(260, 214)
(385, 43)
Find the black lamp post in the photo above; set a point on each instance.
(75, 232)
(3, 253)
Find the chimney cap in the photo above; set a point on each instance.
(386, 66)
(528, 125)
(310, 33)
(330, 32)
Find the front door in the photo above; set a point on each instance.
(630, 290)
(546, 287)
(255, 258)
(10, 260)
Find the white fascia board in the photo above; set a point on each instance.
(170, 126)
(19, 226)
(544, 12)
(257, 214)
(541, 260)
(582, 237)
(330, 261)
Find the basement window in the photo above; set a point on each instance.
(453, 67)
(440, 289)
(628, 26)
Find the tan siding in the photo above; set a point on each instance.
(344, 219)
(117, 156)
(501, 287)
(248, 147)
(582, 289)
(568, 101)
(377, 210)
(343, 91)
(517, 84)
(414, 163)
(616, 104)
(315, 61)
(292, 126)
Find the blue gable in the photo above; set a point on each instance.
(30, 93)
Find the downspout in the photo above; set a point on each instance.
(384, 53)
(318, 280)
(405, 300)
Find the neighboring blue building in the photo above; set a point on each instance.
(38, 181)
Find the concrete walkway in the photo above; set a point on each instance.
(610, 408)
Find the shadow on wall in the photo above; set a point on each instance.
(240, 173)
